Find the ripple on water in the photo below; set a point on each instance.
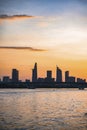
(43, 109)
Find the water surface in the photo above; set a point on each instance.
(43, 109)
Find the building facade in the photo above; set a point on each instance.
(66, 76)
(15, 75)
(58, 75)
(34, 73)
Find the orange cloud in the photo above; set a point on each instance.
(22, 48)
(15, 17)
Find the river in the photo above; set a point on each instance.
(43, 109)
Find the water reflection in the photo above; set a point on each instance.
(43, 109)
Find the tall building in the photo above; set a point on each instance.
(34, 73)
(15, 75)
(58, 74)
(66, 76)
(49, 77)
(49, 74)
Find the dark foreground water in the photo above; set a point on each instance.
(43, 109)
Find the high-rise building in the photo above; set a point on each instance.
(49, 74)
(15, 75)
(66, 76)
(58, 74)
(34, 73)
(49, 77)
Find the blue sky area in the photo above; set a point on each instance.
(43, 7)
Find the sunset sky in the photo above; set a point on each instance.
(49, 32)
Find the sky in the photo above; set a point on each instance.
(49, 32)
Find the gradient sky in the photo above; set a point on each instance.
(51, 32)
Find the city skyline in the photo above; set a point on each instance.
(48, 77)
(51, 32)
(43, 64)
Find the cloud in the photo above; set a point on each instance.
(15, 17)
(21, 48)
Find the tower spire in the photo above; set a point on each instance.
(34, 73)
(58, 74)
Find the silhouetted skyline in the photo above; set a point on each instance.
(49, 78)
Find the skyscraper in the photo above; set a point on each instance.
(15, 75)
(49, 74)
(34, 73)
(66, 76)
(58, 74)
